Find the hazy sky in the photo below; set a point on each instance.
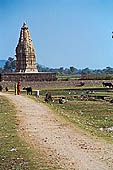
(64, 32)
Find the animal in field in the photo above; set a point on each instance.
(107, 84)
(1, 88)
(28, 90)
(48, 97)
(6, 89)
(111, 101)
(82, 83)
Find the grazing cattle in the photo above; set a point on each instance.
(111, 101)
(48, 97)
(1, 88)
(28, 90)
(107, 84)
(6, 89)
(100, 97)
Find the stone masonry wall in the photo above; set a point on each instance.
(24, 77)
(71, 83)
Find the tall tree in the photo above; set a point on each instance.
(108, 70)
(10, 65)
(1, 70)
(72, 69)
(86, 71)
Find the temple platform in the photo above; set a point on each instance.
(39, 76)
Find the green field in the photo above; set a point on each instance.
(68, 77)
(91, 114)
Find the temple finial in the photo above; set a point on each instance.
(24, 25)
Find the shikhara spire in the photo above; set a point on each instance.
(25, 54)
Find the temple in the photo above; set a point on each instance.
(26, 69)
(25, 54)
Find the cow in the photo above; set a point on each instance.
(1, 88)
(111, 101)
(107, 84)
(48, 97)
(6, 89)
(28, 90)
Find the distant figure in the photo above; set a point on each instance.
(1, 87)
(28, 89)
(15, 87)
(18, 88)
(6, 89)
(82, 83)
(105, 84)
(48, 97)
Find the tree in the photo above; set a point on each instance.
(72, 69)
(61, 70)
(86, 71)
(10, 65)
(1, 70)
(108, 70)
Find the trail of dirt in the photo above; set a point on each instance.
(70, 148)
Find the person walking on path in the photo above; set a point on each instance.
(18, 88)
(15, 86)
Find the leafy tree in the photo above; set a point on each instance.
(1, 70)
(10, 65)
(72, 69)
(108, 70)
(98, 71)
(61, 69)
(86, 71)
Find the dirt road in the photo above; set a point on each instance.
(62, 144)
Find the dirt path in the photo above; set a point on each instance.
(65, 146)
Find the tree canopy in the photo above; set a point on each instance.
(10, 65)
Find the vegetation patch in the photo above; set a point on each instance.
(90, 115)
(14, 152)
(94, 116)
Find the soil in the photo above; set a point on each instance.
(60, 143)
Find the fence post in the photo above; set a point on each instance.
(37, 93)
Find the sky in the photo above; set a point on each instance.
(64, 32)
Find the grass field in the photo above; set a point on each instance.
(93, 116)
(15, 154)
(68, 77)
(89, 115)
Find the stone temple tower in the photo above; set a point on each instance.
(25, 54)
